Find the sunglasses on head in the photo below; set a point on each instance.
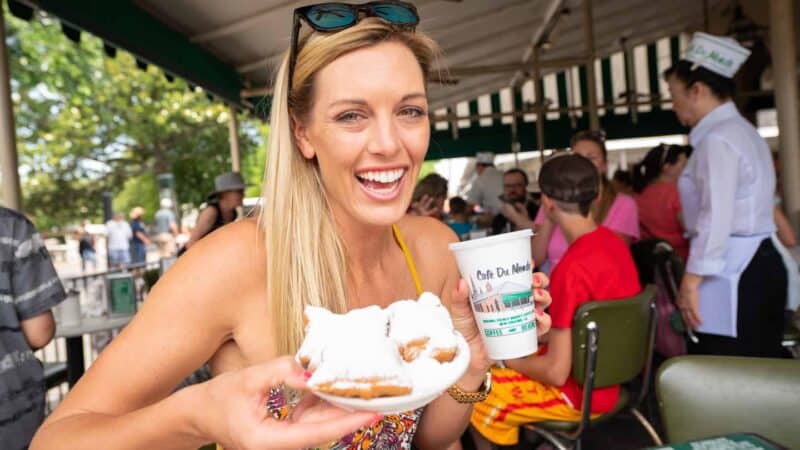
(331, 17)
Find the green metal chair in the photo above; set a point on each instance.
(791, 337)
(703, 396)
(612, 344)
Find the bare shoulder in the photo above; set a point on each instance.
(428, 240)
(424, 232)
(223, 269)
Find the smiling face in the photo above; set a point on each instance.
(368, 129)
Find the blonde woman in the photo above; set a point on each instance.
(350, 130)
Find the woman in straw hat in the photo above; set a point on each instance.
(349, 132)
(734, 289)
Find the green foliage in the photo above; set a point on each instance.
(427, 168)
(138, 191)
(87, 123)
(254, 163)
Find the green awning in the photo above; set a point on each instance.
(125, 25)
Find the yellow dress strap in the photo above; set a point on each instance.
(409, 260)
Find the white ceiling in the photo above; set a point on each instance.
(252, 34)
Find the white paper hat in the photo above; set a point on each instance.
(484, 158)
(720, 55)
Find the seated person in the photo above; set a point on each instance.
(596, 266)
(458, 219)
(615, 211)
(429, 196)
(519, 208)
(622, 182)
(655, 180)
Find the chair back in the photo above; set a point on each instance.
(656, 258)
(703, 396)
(625, 330)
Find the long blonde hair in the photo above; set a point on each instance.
(306, 259)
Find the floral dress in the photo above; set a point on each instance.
(393, 432)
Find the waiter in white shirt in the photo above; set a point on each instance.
(734, 290)
(487, 187)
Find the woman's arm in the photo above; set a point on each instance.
(204, 223)
(785, 232)
(166, 424)
(716, 177)
(444, 420)
(123, 400)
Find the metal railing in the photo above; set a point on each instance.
(54, 356)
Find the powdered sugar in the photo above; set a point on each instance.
(410, 319)
(363, 344)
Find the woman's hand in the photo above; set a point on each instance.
(542, 299)
(689, 300)
(464, 322)
(235, 415)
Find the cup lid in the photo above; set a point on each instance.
(491, 240)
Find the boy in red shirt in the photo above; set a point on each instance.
(597, 266)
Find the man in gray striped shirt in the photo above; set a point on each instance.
(29, 288)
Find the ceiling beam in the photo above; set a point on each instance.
(552, 14)
(439, 28)
(240, 24)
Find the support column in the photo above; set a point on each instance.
(233, 139)
(591, 81)
(515, 145)
(784, 69)
(539, 102)
(11, 193)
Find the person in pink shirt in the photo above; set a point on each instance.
(655, 179)
(613, 210)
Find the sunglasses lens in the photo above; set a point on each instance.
(398, 14)
(330, 16)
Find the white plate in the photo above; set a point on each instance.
(419, 396)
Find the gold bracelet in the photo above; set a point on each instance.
(472, 397)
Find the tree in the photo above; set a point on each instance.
(88, 123)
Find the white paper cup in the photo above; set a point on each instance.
(500, 277)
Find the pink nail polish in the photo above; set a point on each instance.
(539, 311)
(306, 375)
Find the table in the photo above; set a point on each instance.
(74, 337)
(737, 441)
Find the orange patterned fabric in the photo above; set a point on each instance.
(517, 400)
